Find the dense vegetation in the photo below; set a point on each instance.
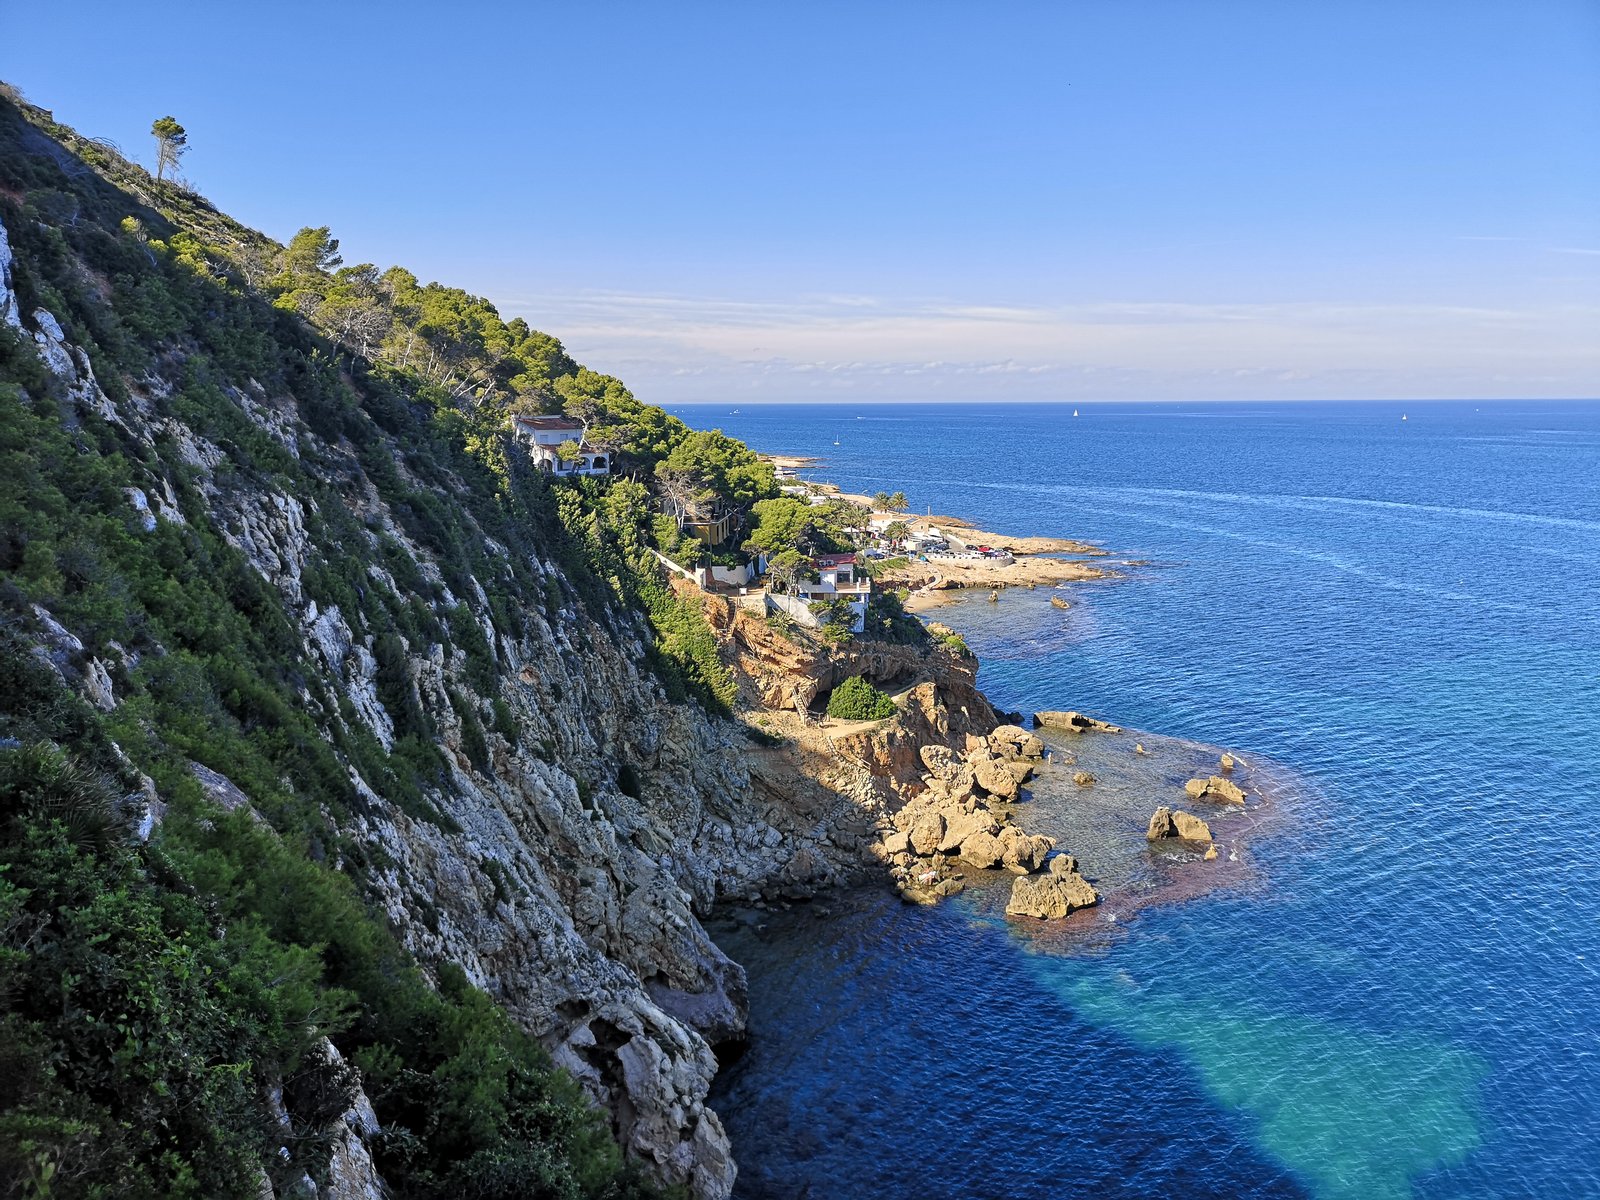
(857, 700)
(154, 994)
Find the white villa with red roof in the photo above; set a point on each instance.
(837, 578)
(543, 437)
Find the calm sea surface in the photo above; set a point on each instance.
(1406, 1000)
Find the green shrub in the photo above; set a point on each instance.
(857, 700)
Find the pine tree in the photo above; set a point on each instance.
(172, 140)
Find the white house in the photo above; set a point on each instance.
(544, 435)
(836, 578)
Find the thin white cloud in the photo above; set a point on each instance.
(680, 347)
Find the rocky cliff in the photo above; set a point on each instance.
(259, 558)
(562, 848)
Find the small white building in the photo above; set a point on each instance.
(545, 435)
(836, 578)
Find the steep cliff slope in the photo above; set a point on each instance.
(357, 684)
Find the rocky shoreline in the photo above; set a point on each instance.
(946, 785)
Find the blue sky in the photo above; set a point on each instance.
(1142, 199)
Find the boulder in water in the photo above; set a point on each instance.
(1050, 896)
(1165, 823)
(1072, 722)
(1023, 853)
(1216, 788)
(1082, 778)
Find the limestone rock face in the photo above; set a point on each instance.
(1050, 896)
(1165, 823)
(1072, 722)
(571, 897)
(939, 761)
(352, 1175)
(1215, 788)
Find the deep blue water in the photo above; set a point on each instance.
(1409, 1003)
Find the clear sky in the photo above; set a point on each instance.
(1072, 200)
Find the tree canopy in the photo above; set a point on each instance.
(172, 141)
(723, 465)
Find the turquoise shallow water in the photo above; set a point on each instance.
(1406, 1000)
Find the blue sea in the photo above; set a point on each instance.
(1405, 1000)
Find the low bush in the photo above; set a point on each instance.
(857, 700)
